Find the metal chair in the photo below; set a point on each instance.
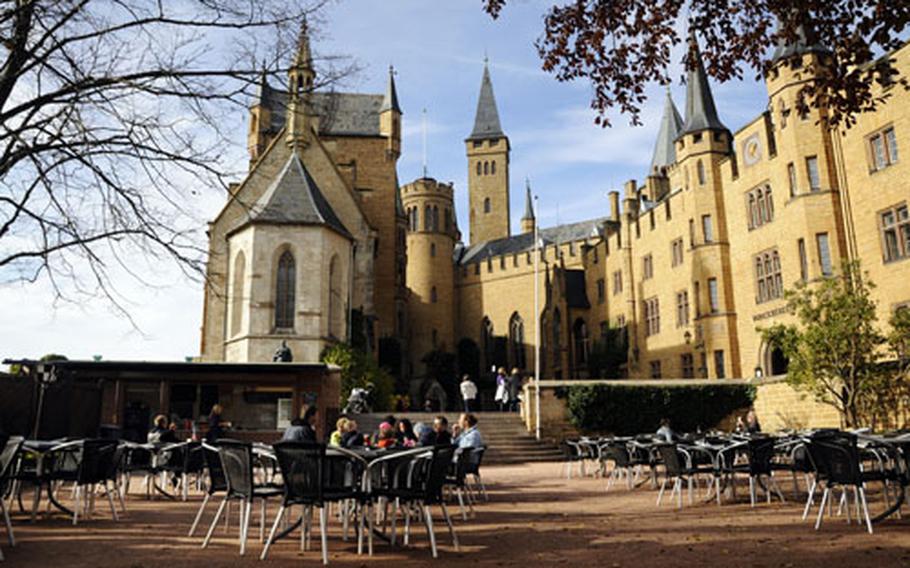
(217, 482)
(11, 448)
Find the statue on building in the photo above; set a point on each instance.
(283, 353)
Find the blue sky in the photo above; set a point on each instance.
(438, 50)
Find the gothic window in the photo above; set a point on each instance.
(427, 218)
(493, 167)
(285, 280)
(486, 168)
(448, 220)
(486, 205)
(433, 296)
(580, 331)
(432, 249)
(486, 341)
(479, 168)
(557, 340)
(517, 341)
(700, 168)
(435, 218)
(335, 298)
(237, 293)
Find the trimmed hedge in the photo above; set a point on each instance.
(629, 410)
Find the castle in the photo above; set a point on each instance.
(679, 275)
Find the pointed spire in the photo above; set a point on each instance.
(263, 90)
(303, 59)
(529, 202)
(390, 100)
(670, 126)
(486, 121)
(701, 114)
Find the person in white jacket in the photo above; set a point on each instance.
(468, 392)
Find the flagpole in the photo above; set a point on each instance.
(536, 322)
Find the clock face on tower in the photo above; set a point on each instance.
(752, 150)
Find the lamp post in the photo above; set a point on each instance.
(536, 323)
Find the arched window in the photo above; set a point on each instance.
(433, 296)
(427, 218)
(493, 167)
(435, 218)
(580, 333)
(753, 211)
(237, 293)
(448, 220)
(701, 172)
(760, 198)
(486, 168)
(517, 341)
(335, 298)
(487, 342)
(479, 168)
(486, 205)
(285, 282)
(432, 249)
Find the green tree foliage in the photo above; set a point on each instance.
(835, 347)
(358, 369)
(628, 410)
(888, 403)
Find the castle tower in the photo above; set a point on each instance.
(488, 169)
(430, 273)
(671, 124)
(701, 147)
(301, 78)
(528, 220)
(390, 119)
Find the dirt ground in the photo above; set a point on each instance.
(534, 518)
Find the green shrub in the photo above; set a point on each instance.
(627, 410)
(359, 369)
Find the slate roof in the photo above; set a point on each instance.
(571, 232)
(701, 114)
(786, 49)
(341, 114)
(293, 198)
(670, 126)
(486, 120)
(576, 294)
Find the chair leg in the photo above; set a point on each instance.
(821, 508)
(8, 523)
(110, 500)
(217, 518)
(407, 523)
(752, 491)
(395, 506)
(262, 513)
(205, 501)
(322, 534)
(460, 493)
(660, 494)
(810, 499)
(428, 520)
(268, 543)
(245, 531)
(76, 504)
(862, 496)
(370, 532)
(360, 523)
(445, 514)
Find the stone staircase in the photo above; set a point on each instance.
(507, 440)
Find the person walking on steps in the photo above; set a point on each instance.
(468, 392)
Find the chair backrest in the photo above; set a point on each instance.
(138, 458)
(302, 466)
(619, 453)
(474, 459)
(98, 461)
(458, 469)
(342, 474)
(194, 458)
(8, 453)
(237, 464)
(671, 459)
(839, 455)
(435, 473)
(760, 451)
(217, 480)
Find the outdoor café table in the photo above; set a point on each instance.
(895, 449)
(40, 449)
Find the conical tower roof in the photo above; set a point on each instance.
(670, 127)
(303, 59)
(701, 114)
(529, 204)
(486, 120)
(802, 44)
(390, 100)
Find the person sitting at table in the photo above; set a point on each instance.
(665, 433)
(341, 427)
(216, 424)
(439, 435)
(302, 429)
(386, 437)
(352, 438)
(406, 436)
(470, 436)
(160, 433)
(752, 425)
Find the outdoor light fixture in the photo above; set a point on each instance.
(758, 372)
(687, 336)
